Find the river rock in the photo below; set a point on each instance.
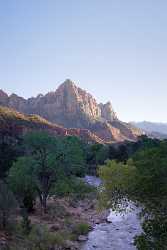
(82, 238)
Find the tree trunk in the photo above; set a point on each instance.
(43, 201)
(4, 220)
(44, 204)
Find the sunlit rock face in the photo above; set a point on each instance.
(72, 107)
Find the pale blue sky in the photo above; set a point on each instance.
(115, 49)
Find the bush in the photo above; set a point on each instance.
(38, 239)
(41, 239)
(82, 229)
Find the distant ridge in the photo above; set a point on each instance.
(158, 130)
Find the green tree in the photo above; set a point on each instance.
(96, 154)
(22, 182)
(143, 180)
(47, 159)
(43, 158)
(9, 151)
(118, 184)
(8, 205)
(72, 156)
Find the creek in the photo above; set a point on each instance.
(116, 234)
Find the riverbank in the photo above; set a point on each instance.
(77, 224)
(68, 220)
(70, 217)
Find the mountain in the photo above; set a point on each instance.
(158, 130)
(15, 123)
(72, 107)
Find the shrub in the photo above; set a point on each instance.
(38, 239)
(82, 228)
(41, 239)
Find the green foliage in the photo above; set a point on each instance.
(21, 181)
(154, 235)
(47, 160)
(120, 153)
(151, 186)
(25, 223)
(39, 239)
(72, 157)
(38, 167)
(152, 172)
(118, 183)
(81, 228)
(8, 205)
(96, 154)
(9, 151)
(143, 180)
(73, 187)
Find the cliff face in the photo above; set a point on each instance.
(107, 112)
(73, 107)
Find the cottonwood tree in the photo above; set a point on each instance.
(43, 157)
(36, 171)
(46, 159)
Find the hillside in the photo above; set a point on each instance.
(15, 123)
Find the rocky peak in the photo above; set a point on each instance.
(3, 98)
(77, 100)
(107, 112)
(67, 83)
(67, 86)
(17, 102)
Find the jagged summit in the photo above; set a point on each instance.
(68, 82)
(72, 107)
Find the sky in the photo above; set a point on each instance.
(114, 49)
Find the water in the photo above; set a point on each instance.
(92, 180)
(117, 235)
